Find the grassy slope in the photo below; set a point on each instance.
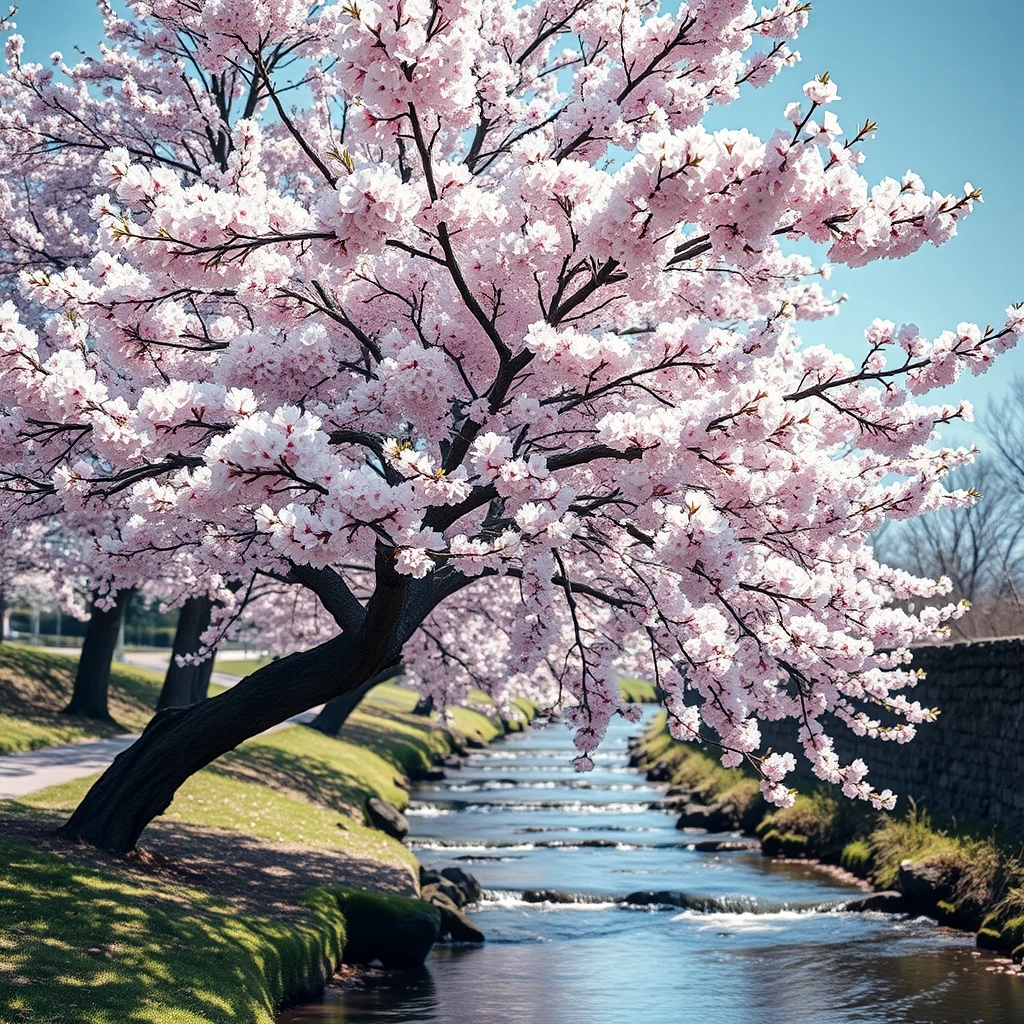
(35, 685)
(638, 691)
(238, 666)
(291, 785)
(90, 948)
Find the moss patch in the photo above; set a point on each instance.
(35, 685)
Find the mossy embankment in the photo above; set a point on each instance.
(968, 878)
(232, 907)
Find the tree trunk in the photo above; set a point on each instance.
(178, 742)
(188, 684)
(424, 706)
(335, 712)
(92, 680)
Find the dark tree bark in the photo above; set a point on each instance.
(188, 684)
(92, 680)
(424, 706)
(335, 712)
(178, 742)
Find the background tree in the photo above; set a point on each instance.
(491, 346)
(37, 566)
(980, 549)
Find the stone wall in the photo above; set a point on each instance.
(968, 764)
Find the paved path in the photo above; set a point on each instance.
(49, 766)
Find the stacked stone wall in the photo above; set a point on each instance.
(969, 764)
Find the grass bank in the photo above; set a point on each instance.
(966, 878)
(101, 948)
(215, 922)
(638, 691)
(35, 685)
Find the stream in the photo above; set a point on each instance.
(769, 948)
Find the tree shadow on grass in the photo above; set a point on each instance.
(33, 683)
(315, 780)
(36, 686)
(77, 945)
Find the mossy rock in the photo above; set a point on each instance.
(783, 844)
(966, 914)
(396, 930)
(992, 922)
(857, 857)
(989, 938)
(1013, 932)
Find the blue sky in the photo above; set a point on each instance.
(942, 81)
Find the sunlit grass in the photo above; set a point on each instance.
(35, 685)
(238, 666)
(295, 785)
(78, 946)
(638, 691)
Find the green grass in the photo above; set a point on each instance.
(292, 785)
(92, 948)
(697, 768)
(35, 685)
(638, 691)
(238, 666)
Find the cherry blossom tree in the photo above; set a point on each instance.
(455, 314)
(36, 567)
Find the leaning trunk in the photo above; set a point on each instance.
(335, 712)
(92, 680)
(178, 742)
(188, 684)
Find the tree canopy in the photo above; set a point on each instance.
(457, 315)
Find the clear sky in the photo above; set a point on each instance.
(942, 80)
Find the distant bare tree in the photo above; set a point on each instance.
(981, 549)
(1003, 426)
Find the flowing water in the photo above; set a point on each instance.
(766, 945)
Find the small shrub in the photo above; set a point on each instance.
(783, 844)
(911, 837)
(857, 857)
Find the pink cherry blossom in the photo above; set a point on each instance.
(490, 331)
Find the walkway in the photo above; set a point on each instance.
(49, 766)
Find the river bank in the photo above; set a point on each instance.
(968, 879)
(236, 903)
(597, 908)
